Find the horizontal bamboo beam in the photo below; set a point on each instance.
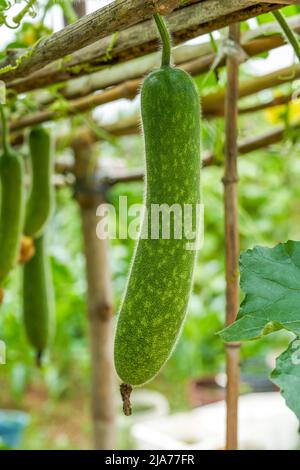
(254, 42)
(186, 23)
(272, 103)
(122, 128)
(269, 138)
(115, 16)
(212, 104)
(245, 146)
(120, 73)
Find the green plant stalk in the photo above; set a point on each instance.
(215, 49)
(5, 135)
(165, 39)
(213, 43)
(288, 32)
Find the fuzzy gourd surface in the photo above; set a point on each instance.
(41, 195)
(38, 298)
(160, 281)
(11, 209)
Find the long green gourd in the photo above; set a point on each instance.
(12, 203)
(41, 195)
(38, 298)
(160, 281)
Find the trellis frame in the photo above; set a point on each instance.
(130, 18)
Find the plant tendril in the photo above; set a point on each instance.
(165, 39)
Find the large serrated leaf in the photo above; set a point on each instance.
(287, 375)
(270, 278)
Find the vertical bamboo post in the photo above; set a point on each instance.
(230, 181)
(80, 8)
(99, 296)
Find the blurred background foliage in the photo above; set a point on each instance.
(57, 396)
(269, 207)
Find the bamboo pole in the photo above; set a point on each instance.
(231, 239)
(212, 104)
(115, 16)
(99, 293)
(254, 42)
(246, 146)
(272, 103)
(129, 126)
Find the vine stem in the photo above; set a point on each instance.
(165, 39)
(288, 32)
(5, 137)
(19, 17)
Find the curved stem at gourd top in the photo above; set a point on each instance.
(165, 39)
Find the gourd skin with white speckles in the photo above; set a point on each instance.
(160, 281)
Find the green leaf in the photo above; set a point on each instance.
(270, 278)
(287, 375)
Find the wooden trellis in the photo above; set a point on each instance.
(230, 181)
(79, 55)
(108, 36)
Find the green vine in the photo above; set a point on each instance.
(108, 55)
(27, 9)
(86, 67)
(165, 39)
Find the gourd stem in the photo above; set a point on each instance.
(288, 32)
(19, 17)
(165, 39)
(5, 133)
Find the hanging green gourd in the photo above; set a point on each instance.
(40, 201)
(38, 298)
(156, 299)
(12, 202)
